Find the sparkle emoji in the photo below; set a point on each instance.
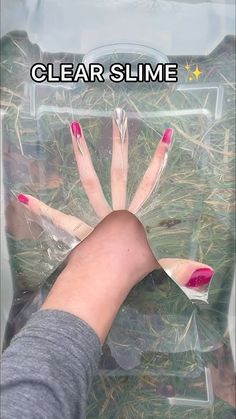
(187, 67)
(197, 72)
(193, 75)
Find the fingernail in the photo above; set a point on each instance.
(23, 199)
(76, 129)
(120, 118)
(167, 137)
(200, 277)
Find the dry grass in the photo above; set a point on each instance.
(189, 216)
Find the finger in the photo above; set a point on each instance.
(87, 172)
(153, 172)
(187, 273)
(68, 223)
(119, 164)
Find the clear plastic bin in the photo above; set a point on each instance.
(158, 360)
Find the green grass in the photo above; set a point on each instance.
(190, 215)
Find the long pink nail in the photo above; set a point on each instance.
(76, 129)
(23, 199)
(167, 137)
(200, 277)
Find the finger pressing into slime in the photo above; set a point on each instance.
(188, 273)
(88, 176)
(153, 172)
(119, 164)
(68, 223)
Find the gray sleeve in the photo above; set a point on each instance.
(48, 367)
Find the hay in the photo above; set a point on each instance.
(190, 215)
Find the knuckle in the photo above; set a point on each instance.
(90, 184)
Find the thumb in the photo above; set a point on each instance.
(187, 273)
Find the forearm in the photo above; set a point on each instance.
(49, 365)
(94, 297)
(101, 272)
(47, 370)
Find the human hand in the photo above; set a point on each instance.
(184, 272)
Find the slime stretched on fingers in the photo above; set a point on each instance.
(186, 273)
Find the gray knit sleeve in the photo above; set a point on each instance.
(48, 367)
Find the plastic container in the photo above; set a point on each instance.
(160, 351)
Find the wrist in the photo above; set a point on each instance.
(94, 299)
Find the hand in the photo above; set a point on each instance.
(184, 272)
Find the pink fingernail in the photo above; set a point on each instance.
(76, 129)
(23, 199)
(167, 136)
(200, 277)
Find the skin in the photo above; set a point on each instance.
(102, 270)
